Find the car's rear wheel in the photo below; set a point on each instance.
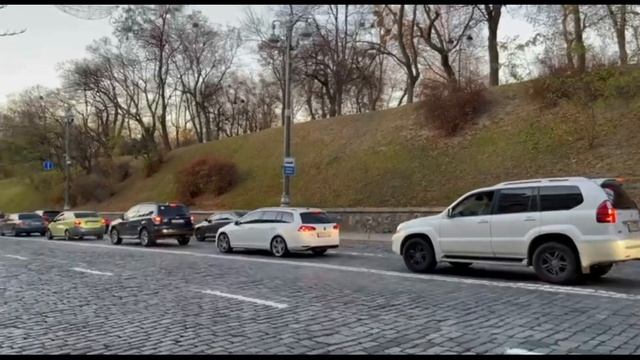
(183, 240)
(223, 243)
(460, 265)
(145, 238)
(199, 235)
(279, 247)
(556, 263)
(318, 252)
(419, 256)
(115, 237)
(49, 235)
(600, 270)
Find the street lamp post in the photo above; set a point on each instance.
(289, 24)
(68, 119)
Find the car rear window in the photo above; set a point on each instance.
(173, 210)
(315, 218)
(84, 215)
(28, 216)
(617, 195)
(556, 198)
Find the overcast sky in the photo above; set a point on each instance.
(53, 36)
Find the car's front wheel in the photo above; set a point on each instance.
(223, 243)
(419, 256)
(183, 240)
(199, 235)
(115, 237)
(556, 263)
(279, 247)
(145, 238)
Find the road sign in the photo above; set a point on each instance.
(47, 165)
(289, 167)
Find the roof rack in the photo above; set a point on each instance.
(542, 180)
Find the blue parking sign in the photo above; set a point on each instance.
(47, 165)
(289, 167)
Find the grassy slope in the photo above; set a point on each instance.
(386, 158)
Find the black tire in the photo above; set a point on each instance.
(115, 237)
(42, 233)
(49, 235)
(600, 270)
(199, 235)
(419, 256)
(67, 235)
(556, 263)
(183, 240)
(318, 252)
(460, 265)
(223, 244)
(279, 247)
(145, 238)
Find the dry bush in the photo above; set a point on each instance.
(207, 174)
(90, 188)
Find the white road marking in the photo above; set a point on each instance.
(516, 351)
(16, 257)
(359, 253)
(91, 271)
(243, 298)
(447, 278)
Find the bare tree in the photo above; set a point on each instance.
(491, 15)
(10, 32)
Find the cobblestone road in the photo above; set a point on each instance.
(91, 297)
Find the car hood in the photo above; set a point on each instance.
(422, 221)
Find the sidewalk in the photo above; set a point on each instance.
(365, 236)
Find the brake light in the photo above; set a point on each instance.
(606, 213)
(104, 222)
(19, 223)
(306, 228)
(336, 227)
(191, 218)
(157, 220)
(77, 222)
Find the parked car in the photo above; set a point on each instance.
(210, 226)
(76, 225)
(48, 215)
(281, 230)
(22, 224)
(148, 222)
(565, 228)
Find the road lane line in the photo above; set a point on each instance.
(91, 271)
(359, 253)
(16, 257)
(243, 298)
(447, 278)
(516, 351)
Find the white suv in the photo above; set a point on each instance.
(563, 227)
(281, 230)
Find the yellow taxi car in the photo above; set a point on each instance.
(76, 225)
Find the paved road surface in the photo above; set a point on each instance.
(88, 296)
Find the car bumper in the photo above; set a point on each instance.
(396, 241)
(308, 242)
(594, 252)
(169, 232)
(30, 229)
(99, 231)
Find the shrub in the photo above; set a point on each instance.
(121, 171)
(90, 188)
(449, 112)
(207, 174)
(152, 163)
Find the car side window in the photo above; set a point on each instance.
(270, 217)
(474, 205)
(556, 198)
(59, 217)
(132, 212)
(285, 217)
(252, 218)
(511, 201)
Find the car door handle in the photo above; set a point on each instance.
(529, 219)
(483, 221)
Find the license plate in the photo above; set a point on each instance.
(324, 234)
(633, 226)
(177, 221)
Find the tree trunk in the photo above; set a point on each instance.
(580, 49)
(567, 38)
(493, 15)
(621, 36)
(448, 70)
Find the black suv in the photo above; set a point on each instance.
(149, 222)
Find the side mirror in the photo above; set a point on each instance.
(122, 217)
(450, 212)
(209, 221)
(237, 222)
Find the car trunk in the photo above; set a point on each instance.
(627, 213)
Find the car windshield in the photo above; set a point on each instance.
(315, 218)
(173, 210)
(29, 217)
(84, 215)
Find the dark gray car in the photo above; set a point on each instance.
(209, 227)
(23, 224)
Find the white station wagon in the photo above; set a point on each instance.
(563, 227)
(281, 230)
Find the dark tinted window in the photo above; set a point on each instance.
(172, 210)
(512, 201)
(617, 195)
(474, 205)
(315, 218)
(554, 198)
(28, 216)
(286, 217)
(84, 215)
(50, 214)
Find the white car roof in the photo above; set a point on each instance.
(550, 181)
(293, 209)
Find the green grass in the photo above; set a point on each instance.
(389, 158)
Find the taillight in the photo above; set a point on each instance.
(157, 220)
(104, 222)
(19, 223)
(191, 218)
(606, 213)
(77, 223)
(306, 228)
(336, 227)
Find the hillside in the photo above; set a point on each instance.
(389, 158)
